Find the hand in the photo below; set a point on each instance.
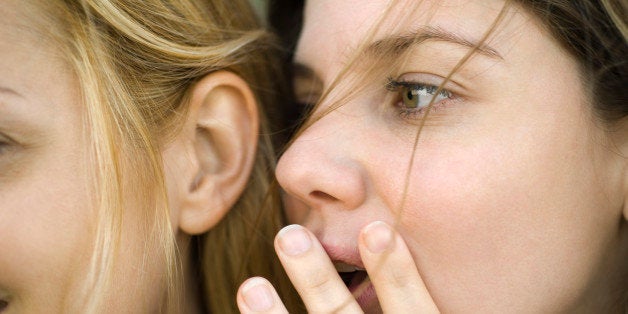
(388, 262)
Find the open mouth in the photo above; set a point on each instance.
(351, 275)
(3, 305)
(357, 281)
(353, 279)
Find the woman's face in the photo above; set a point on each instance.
(46, 211)
(515, 194)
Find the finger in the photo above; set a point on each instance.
(392, 271)
(312, 273)
(257, 295)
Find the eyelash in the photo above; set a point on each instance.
(415, 89)
(4, 147)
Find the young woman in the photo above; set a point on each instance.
(489, 135)
(128, 135)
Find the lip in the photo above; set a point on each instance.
(347, 259)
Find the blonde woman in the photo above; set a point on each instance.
(134, 155)
(491, 136)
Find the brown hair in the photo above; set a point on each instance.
(594, 32)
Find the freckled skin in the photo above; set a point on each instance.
(515, 199)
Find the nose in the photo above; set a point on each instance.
(320, 168)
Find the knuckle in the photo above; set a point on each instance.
(318, 285)
(402, 277)
(322, 296)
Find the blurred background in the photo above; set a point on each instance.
(261, 8)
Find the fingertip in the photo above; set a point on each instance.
(377, 237)
(257, 295)
(293, 240)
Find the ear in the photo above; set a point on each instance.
(221, 130)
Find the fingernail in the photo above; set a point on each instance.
(257, 295)
(294, 240)
(378, 236)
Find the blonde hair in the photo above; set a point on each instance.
(135, 62)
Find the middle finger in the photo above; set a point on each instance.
(312, 272)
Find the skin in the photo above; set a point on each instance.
(42, 159)
(47, 212)
(516, 195)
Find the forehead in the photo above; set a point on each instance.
(22, 22)
(24, 40)
(334, 29)
(31, 63)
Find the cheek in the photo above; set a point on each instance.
(518, 216)
(44, 232)
(47, 228)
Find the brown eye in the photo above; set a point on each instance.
(410, 97)
(4, 146)
(419, 96)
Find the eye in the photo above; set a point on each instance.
(4, 148)
(414, 97)
(5, 145)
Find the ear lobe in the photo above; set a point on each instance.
(223, 124)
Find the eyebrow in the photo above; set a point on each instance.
(398, 44)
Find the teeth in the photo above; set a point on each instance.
(346, 268)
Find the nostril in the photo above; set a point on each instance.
(322, 196)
